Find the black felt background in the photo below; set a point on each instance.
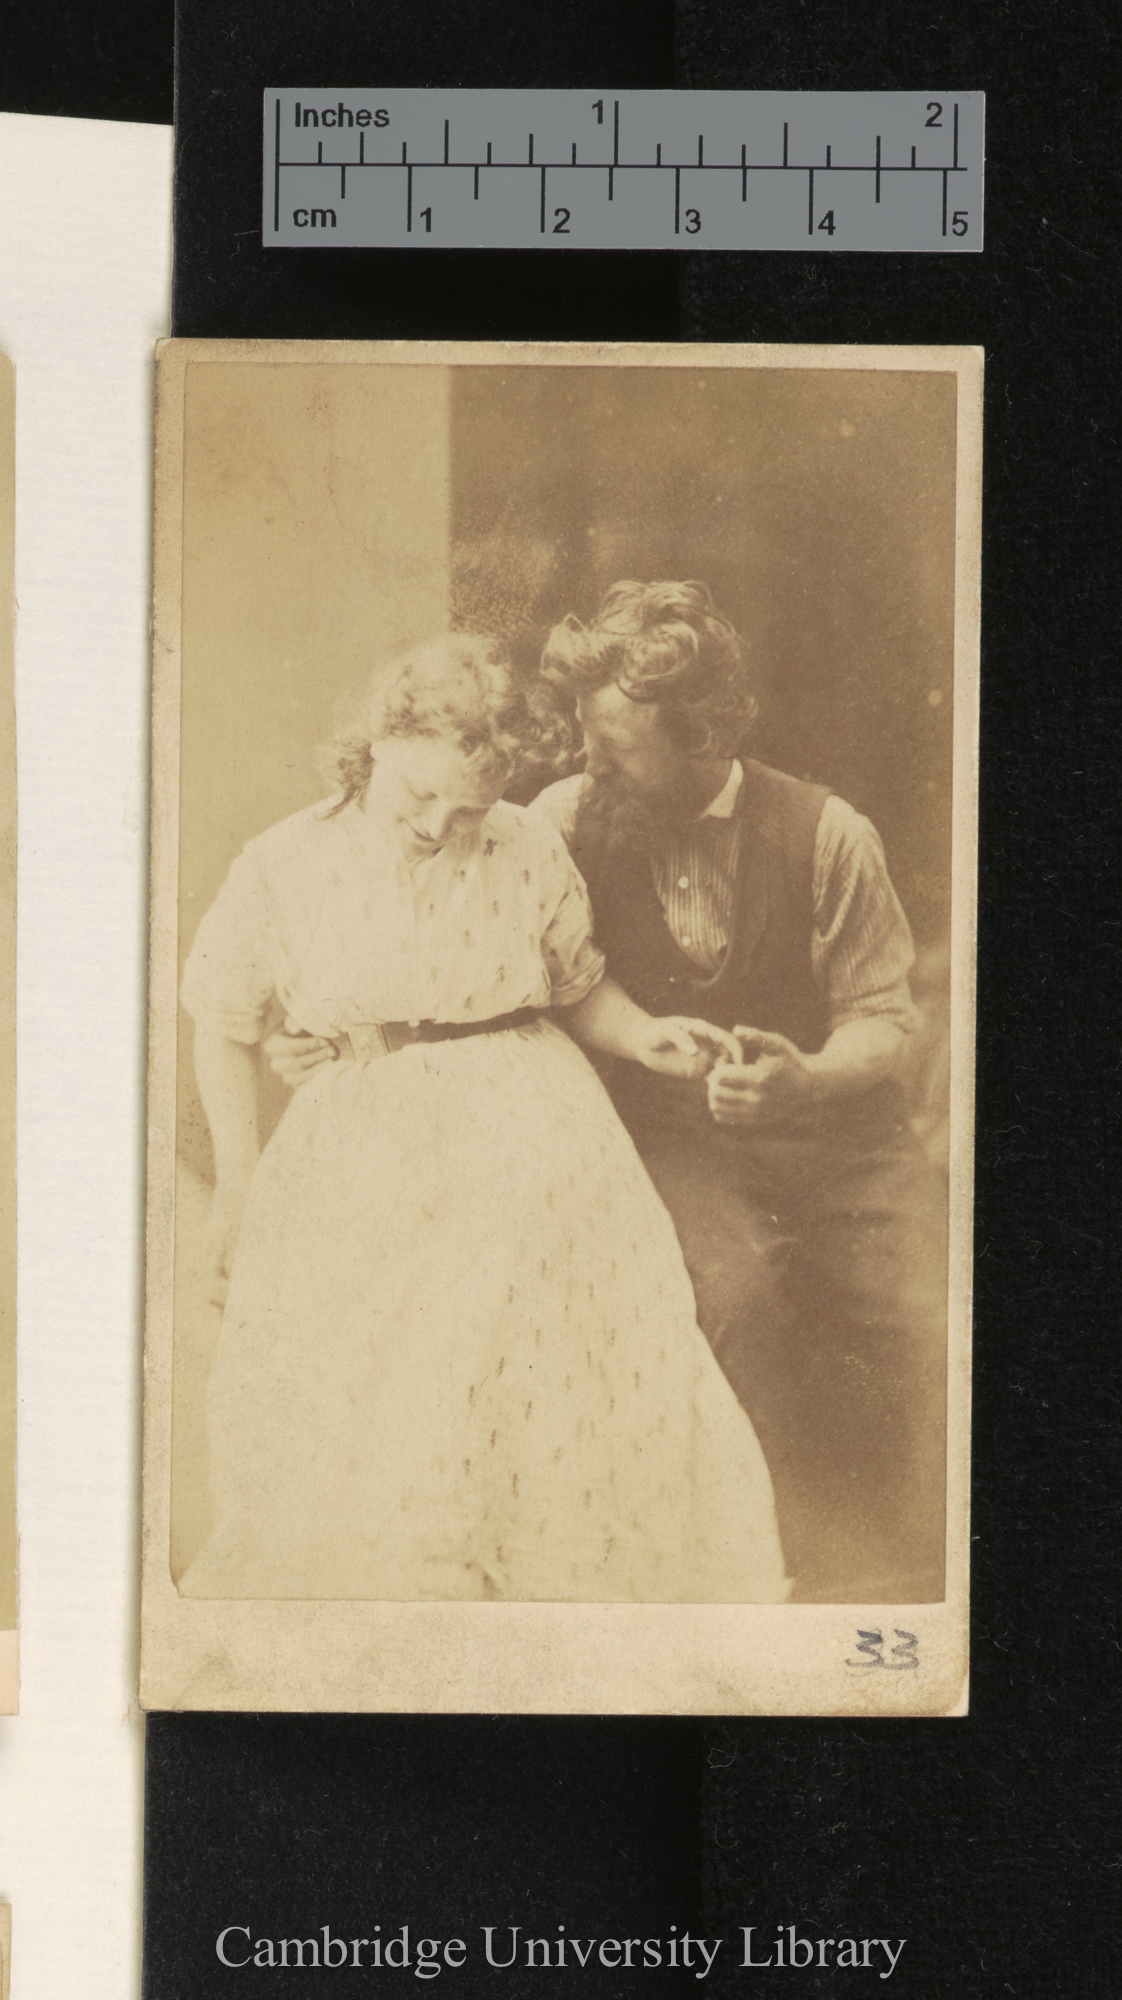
(986, 1842)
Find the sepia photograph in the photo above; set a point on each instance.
(561, 1036)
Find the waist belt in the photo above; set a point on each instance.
(385, 1038)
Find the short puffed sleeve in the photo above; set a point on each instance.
(575, 965)
(230, 978)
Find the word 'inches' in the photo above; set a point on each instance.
(335, 116)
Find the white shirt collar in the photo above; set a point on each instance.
(724, 805)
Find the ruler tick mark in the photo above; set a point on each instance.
(878, 168)
(785, 145)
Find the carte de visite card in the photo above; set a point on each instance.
(561, 1045)
(9, 1636)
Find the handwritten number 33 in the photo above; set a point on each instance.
(871, 1644)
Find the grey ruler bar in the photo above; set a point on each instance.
(625, 170)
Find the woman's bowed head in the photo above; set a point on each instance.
(451, 725)
(462, 691)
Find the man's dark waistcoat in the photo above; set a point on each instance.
(766, 979)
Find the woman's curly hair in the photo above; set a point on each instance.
(465, 686)
(665, 643)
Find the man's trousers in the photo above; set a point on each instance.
(819, 1266)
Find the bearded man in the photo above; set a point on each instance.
(811, 1221)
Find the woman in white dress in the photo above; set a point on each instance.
(458, 1357)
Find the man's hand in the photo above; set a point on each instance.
(673, 1045)
(775, 1079)
(295, 1056)
(772, 1079)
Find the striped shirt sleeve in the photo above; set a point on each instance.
(862, 950)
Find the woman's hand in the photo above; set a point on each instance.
(608, 1019)
(223, 1230)
(295, 1056)
(675, 1045)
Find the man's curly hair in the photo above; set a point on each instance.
(663, 643)
(463, 686)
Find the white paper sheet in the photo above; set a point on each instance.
(85, 242)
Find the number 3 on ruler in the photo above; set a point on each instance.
(693, 221)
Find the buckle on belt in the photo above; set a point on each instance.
(366, 1042)
(376, 1038)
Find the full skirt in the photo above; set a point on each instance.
(459, 1358)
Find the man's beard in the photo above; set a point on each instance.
(619, 822)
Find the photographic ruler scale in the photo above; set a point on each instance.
(632, 170)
